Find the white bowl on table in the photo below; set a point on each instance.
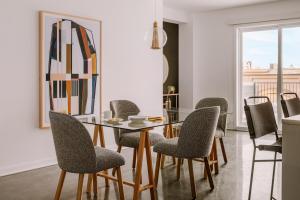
(136, 119)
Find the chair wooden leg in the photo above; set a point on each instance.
(120, 183)
(157, 166)
(207, 169)
(119, 151)
(178, 168)
(223, 150)
(134, 159)
(191, 171)
(95, 185)
(79, 188)
(89, 184)
(166, 131)
(205, 173)
(216, 164)
(60, 184)
(174, 160)
(211, 158)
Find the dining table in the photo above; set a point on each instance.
(169, 118)
(166, 120)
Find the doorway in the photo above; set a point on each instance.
(171, 66)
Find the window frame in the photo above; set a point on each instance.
(239, 30)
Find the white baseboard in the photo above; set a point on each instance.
(26, 166)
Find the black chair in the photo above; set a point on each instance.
(290, 106)
(261, 122)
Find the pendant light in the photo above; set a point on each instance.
(155, 38)
(159, 36)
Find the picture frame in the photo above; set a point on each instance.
(70, 63)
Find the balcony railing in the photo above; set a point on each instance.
(270, 89)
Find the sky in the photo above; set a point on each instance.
(260, 47)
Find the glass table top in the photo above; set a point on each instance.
(169, 117)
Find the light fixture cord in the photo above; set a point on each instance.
(155, 10)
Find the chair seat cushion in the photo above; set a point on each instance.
(167, 147)
(133, 139)
(219, 133)
(275, 147)
(107, 159)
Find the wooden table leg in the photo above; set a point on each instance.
(171, 135)
(139, 165)
(102, 144)
(166, 134)
(95, 139)
(149, 164)
(178, 169)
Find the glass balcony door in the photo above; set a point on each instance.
(258, 67)
(291, 59)
(269, 64)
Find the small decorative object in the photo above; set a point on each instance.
(107, 114)
(166, 69)
(70, 62)
(136, 119)
(168, 103)
(115, 121)
(155, 119)
(171, 89)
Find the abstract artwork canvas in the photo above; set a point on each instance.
(70, 65)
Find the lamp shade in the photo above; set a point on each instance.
(156, 38)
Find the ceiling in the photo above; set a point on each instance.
(208, 5)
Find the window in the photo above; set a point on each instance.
(268, 64)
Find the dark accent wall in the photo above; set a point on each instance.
(171, 51)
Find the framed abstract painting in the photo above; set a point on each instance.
(70, 65)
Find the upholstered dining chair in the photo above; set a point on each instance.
(261, 122)
(222, 122)
(76, 153)
(290, 106)
(195, 141)
(123, 109)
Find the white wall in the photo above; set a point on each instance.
(130, 70)
(214, 46)
(175, 16)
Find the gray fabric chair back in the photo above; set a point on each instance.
(290, 107)
(197, 133)
(260, 118)
(216, 101)
(73, 145)
(122, 109)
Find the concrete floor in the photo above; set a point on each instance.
(231, 183)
